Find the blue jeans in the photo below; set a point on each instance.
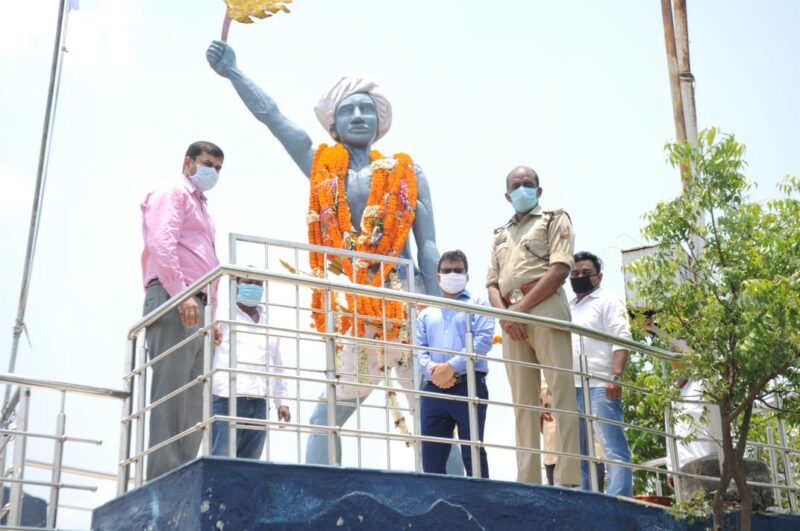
(612, 439)
(249, 443)
(317, 447)
(439, 416)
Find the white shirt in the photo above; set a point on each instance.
(690, 451)
(601, 311)
(251, 355)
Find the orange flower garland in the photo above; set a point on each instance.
(385, 226)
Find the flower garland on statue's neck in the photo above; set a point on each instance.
(385, 225)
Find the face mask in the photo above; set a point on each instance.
(453, 282)
(250, 294)
(205, 178)
(581, 285)
(524, 199)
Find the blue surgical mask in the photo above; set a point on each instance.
(524, 199)
(250, 294)
(205, 179)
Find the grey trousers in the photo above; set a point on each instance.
(178, 368)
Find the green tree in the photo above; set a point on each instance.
(725, 276)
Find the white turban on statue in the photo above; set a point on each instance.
(347, 86)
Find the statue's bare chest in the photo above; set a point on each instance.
(358, 184)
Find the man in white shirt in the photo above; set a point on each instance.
(594, 308)
(693, 404)
(252, 391)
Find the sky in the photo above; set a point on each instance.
(576, 89)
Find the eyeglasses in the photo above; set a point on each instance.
(448, 270)
(580, 274)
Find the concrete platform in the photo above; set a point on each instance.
(218, 493)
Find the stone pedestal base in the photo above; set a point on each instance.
(709, 466)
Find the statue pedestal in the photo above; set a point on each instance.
(218, 493)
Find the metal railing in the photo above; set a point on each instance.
(17, 416)
(315, 366)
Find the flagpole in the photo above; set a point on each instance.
(41, 176)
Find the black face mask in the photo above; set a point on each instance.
(581, 285)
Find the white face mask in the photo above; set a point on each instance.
(453, 282)
(205, 178)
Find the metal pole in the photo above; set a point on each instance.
(472, 392)
(58, 456)
(674, 83)
(587, 408)
(684, 70)
(672, 444)
(141, 398)
(208, 349)
(773, 464)
(412, 317)
(330, 374)
(8, 412)
(686, 79)
(788, 470)
(20, 440)
(41, 176)
(123, 474)
(233, 364)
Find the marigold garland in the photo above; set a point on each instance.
(385, 226)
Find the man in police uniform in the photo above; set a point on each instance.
(531, 258)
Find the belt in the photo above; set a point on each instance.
(461, 378)
(516, 294)
(202, 296)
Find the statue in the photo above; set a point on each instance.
(356, 114)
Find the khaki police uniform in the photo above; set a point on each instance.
(522, 252)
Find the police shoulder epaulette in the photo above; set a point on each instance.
(553, 212)
(499, 229)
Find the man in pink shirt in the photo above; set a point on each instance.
(178, 249)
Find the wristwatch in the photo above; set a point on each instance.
(616, 378)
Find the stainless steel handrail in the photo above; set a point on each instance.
(330, 380)
(41, 383)
(410, 298)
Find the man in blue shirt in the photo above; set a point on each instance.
(447, 373)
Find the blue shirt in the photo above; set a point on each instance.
(446, 329)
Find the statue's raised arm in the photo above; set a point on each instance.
(355, 113)
(295, 140)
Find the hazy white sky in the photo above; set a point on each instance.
(576, 89)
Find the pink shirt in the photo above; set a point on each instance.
(178, 237)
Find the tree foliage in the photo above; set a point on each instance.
(725, 277)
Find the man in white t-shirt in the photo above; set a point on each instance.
(254, 352)
(594, 308)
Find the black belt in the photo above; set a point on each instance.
(461, 378)
(202, 296)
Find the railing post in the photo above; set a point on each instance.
(58, 456)
(141, 398)
(773, 464)
(208, 350)
(589, 425)
(232, 364)
(788, 470)
(7, 412)
(20, 440)
(472, 393)
(672, 444)
(412, 327)
(123, 472)
(330, 374)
